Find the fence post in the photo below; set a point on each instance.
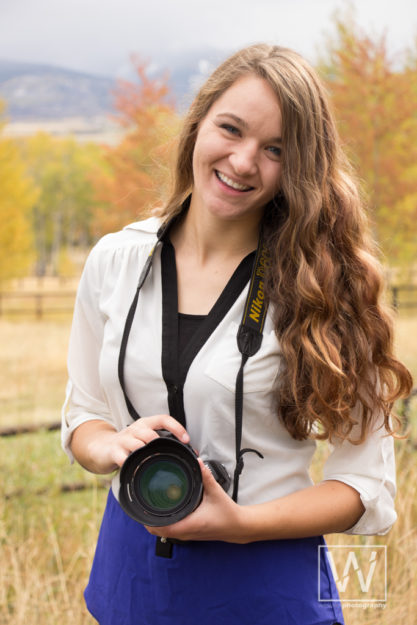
(38, 299)
(394, 290)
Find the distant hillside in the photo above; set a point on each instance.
(46, 92)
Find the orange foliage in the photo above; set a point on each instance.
(138, 167)
(376, 104)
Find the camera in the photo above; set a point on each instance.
(161, 483)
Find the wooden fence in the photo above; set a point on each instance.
(404, 296)
(404, 410)
(43, 304)
(38, 304)
(101, 483)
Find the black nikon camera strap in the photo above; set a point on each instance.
(249, 338)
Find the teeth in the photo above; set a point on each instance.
(231, 183)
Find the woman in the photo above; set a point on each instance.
(259, 167)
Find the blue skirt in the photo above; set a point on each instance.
(207, 582)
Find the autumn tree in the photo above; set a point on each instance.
(138, 167)
(17, 195)
(375, 100)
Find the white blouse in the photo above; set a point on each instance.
(105, 293)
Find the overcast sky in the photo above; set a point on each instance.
(98, 35)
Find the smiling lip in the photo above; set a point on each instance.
(232, 183)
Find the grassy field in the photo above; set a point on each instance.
(48, 531)
(32, 370)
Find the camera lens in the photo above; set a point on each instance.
(162, 484)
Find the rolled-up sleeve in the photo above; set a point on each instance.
(85, 399)
(369, 468)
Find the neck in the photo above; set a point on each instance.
(207, 238)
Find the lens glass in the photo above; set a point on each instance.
(162, 484)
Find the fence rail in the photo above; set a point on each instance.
(63, 488)
(37, 304)
(404, 410)
(30, 429)
(105, 482)
(40, 304)
(403, 296)
(99, 482)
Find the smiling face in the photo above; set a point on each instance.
(237, 154)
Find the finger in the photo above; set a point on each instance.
(141, 431)
(172, 425)
(162, 531)
(126, 446)
(132, 444)
(145, 435)
(119, 456)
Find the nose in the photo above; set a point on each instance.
(244, 159)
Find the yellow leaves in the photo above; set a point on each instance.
(376, 102)
(17, 194)
(62, 169)
(57, 193)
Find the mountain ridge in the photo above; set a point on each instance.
(43, 91)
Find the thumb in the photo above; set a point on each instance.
(208, 480)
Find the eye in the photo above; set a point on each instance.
(230, 129)
(275, 151)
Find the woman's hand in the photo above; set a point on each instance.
(324, 508)
(98, 447)
(218, 517)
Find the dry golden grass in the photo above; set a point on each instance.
(47, 539)
(401, 544)
(32, 370)
(46, 548)
(406, 342)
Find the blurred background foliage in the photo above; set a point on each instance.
(59, 195)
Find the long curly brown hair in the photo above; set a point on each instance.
(324, 283)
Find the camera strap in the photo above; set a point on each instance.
(130, 316)
(249, 340)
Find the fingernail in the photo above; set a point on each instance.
(185, 438)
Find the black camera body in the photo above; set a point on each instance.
(161, 483)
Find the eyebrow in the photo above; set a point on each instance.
(244, 124)
(237, 119)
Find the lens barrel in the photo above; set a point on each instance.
(161, 483)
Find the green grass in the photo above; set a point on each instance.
(47, 537)
(39, 465)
